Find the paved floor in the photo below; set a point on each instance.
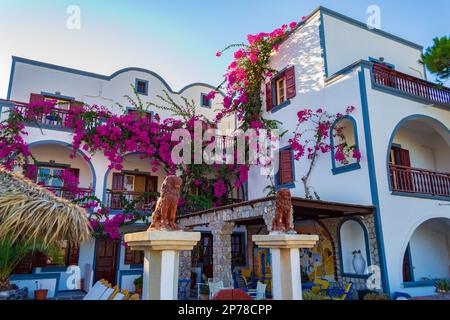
(70, 295)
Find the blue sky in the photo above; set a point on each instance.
(178, 38)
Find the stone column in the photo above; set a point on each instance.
(286, 273)
(161, 260)
(185, 264)
(222, 232)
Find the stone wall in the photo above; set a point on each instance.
(332, 225)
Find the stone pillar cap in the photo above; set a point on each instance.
(285, 241)
(162, 240)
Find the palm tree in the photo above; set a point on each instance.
(13, 251)
(32, 218)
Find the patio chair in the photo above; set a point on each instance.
(339, 294)
(260, 292)
(215, 287)
(106, 294)
(322, 287)
(96, 291)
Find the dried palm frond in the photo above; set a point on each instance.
(29, 211)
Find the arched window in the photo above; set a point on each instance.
(354, 246)
(345, 147)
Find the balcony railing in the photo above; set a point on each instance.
(56, 119)
(118, 200)
(71, 195)
(421, 181)
(387, 77)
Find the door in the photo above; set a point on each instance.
(105, 259)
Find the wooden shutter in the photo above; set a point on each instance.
(73, 254)
(39, 260)
(75, 105)
(134, 115)
(151, 184)
(405, 160)
(134, 257)
(34, 98)
(269, 103)
(291, 90)
(118, 181)
(286, 175)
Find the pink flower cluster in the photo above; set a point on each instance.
(320, 123)
(246, 72)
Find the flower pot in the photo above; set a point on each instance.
(40, 294)
(359, 264)
(138, 289)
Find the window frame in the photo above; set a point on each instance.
(145, 92)
(202, 97)
(349, 167)
(241, 253)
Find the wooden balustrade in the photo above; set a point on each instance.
(118, 199)
(69, 194)
(56, 119)
(390, 78)
(421, 181)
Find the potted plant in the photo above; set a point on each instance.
(12, 251)
(138, 284)
(442, 286)
(204, 291)
(39, 293)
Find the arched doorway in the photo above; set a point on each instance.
(427, 256)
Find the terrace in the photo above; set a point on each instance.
(394, 81)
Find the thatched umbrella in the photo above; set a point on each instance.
(29, 211)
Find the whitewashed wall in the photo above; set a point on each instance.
(346, 43)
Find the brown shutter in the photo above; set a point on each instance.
(291, 90)
(75, 105)
(405, 160)
(39, 260)
(286, 175)
(269, 103)
(134, 115)
(34, 98)
(118, 181)
(134, 257)
(73, 253)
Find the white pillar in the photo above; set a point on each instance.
(286, 274)
(161, 260)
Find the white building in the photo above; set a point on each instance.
(400, 124)
(50, 143)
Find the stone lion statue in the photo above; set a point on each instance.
(163, 217)
(283, 212)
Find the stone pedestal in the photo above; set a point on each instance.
(161, 260)
(286, 272)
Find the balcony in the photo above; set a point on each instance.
(120, 199)
(419, 181)
(70, 195)
(385, 77)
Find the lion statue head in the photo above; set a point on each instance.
(171, 186)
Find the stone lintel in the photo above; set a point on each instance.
(285, 241)
(162, 240)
